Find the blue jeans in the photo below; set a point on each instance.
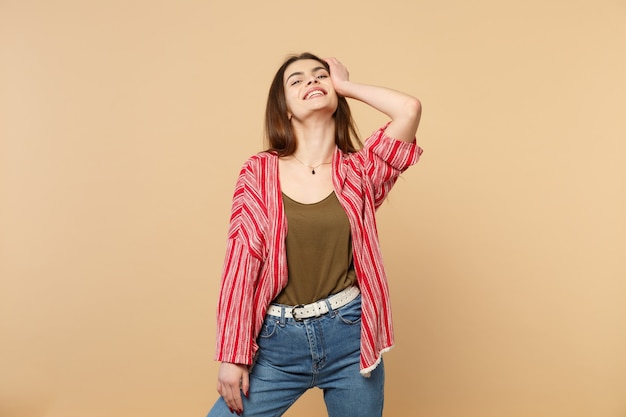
(319, 352)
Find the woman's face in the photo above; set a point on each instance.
(308, 89)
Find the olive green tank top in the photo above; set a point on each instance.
(319, 251)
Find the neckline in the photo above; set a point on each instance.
(285, 196)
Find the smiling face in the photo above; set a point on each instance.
(279, 129)
(308, 89)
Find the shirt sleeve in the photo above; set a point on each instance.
(242, 266)
(234, 310)
(385, 158)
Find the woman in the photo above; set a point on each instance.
(304, 299)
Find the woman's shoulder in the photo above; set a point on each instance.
(259, 168)
(361, 154)
(260, 159)
(379, 148)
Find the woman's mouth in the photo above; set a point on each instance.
(315, 92)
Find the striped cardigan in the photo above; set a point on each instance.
(255, 268)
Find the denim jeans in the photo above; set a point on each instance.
(321, 352)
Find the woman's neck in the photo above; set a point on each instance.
(316, 142)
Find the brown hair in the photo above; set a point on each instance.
(278, 130)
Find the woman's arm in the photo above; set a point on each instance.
(404, 110)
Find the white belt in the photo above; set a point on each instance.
(316, 309)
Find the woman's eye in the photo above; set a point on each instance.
(322, 76)
(295, 82)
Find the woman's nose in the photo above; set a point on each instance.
(312, 81)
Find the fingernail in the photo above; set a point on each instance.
(247, 394)
(231, 410)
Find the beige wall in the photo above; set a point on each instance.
(123, 125)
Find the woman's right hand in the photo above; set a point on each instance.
(232, 379)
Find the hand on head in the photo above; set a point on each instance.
(339, 74)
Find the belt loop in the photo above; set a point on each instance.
(282, 321)
(331, 312)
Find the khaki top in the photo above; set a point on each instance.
(319, 251)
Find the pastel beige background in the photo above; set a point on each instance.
(123, 125)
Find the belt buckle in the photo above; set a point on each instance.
(293, 312)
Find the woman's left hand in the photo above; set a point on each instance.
(339, 75)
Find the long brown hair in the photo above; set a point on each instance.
(278, 130)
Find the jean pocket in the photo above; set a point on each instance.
(270, 326)
(350, 314)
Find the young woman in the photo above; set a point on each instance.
(304, 299)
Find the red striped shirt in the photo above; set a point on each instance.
(255, 268)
